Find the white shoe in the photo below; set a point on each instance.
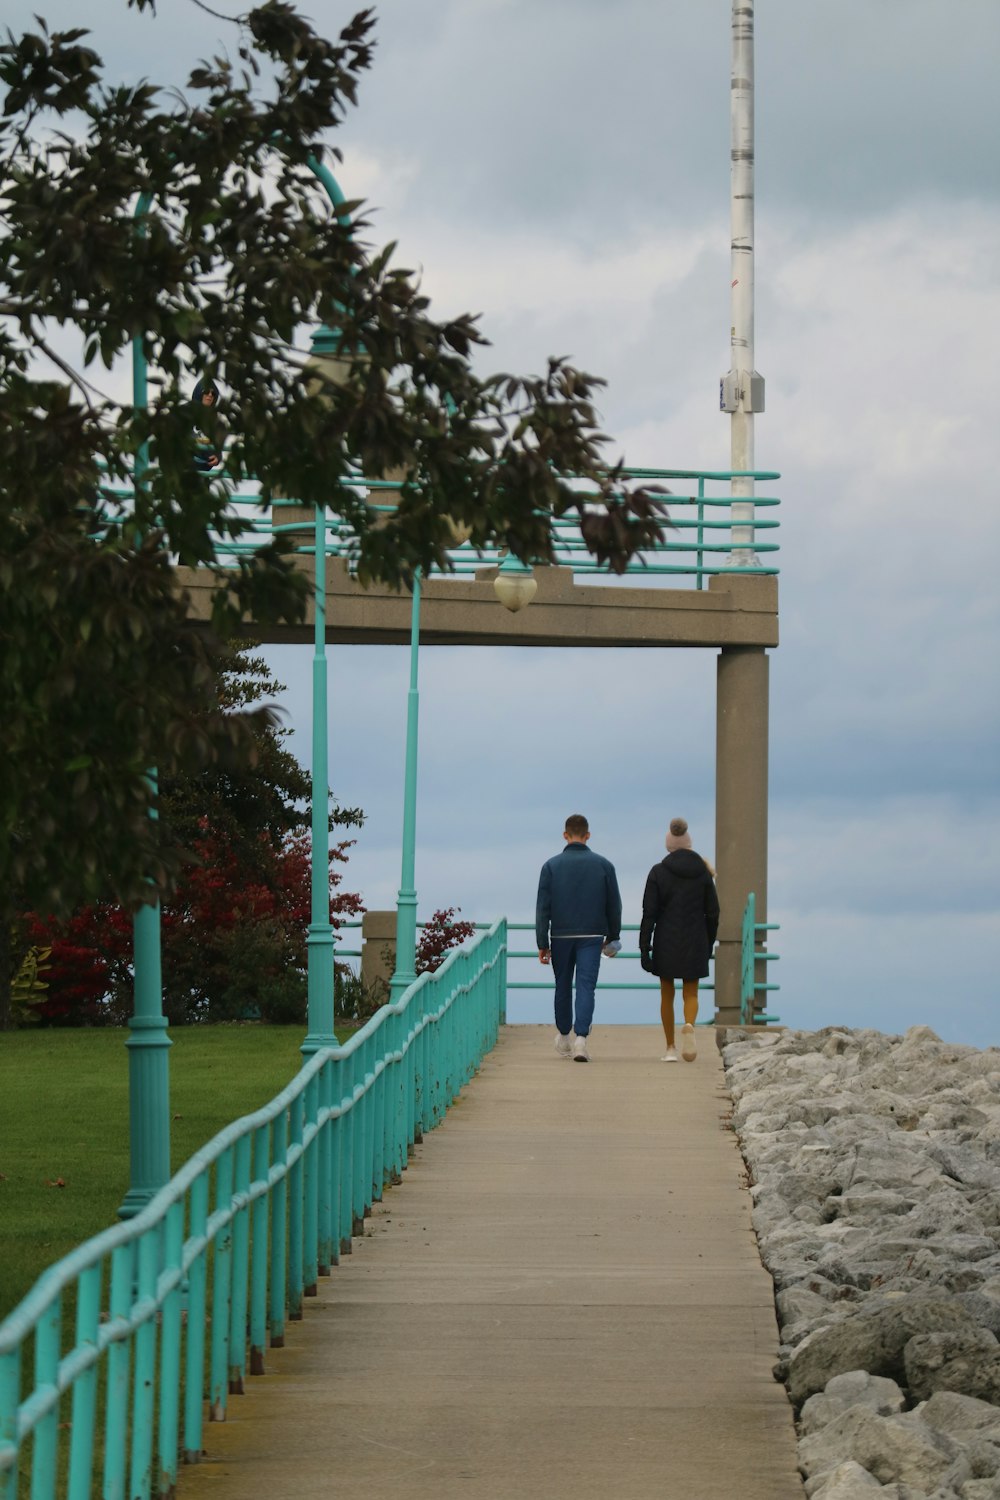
(564, 1044)
(670, 1055)
(580, 1053)
(689, 1047)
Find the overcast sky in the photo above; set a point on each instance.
(564, 170)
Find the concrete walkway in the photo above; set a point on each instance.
(563, 1298)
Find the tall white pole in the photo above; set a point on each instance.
(742, 391)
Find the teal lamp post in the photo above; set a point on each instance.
(515, 586)
(325, 349)
(148, 1044)
(406, 904)
(319, 943)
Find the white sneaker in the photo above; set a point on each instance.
(670, 1055)
(564, 1044)
(689, 1047)
(580, 1053)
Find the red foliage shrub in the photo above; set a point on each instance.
(438, 936)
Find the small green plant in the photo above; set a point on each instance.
(29, 985)
(354, 1000)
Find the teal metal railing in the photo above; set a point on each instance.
(753, 991)
(696, 545)
(174, 1307)
(649, 983)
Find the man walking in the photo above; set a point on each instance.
(578, 912)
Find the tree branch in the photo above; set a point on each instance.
(235, 20)
(84, 386)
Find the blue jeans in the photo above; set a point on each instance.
(583, 955)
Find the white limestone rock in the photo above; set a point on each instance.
(873, 1340)
(983, 1304)
(891, 1448)
(848, 1481)
(965, 1360)
(875, 1164)
(855, 1388)
(959, 1415)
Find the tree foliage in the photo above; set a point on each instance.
(439, 936)
(191, 219)
(233, 929)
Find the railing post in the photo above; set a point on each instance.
(241, 1270)
(119, 1361)
(170, 1355)
(295, 1212)
(324, 1246)
(342, 1068)
(144, 1369)
(81, 1449)
(221, 1288)
(363, 1116)
(197, 1295)
(310, 1242)
(44, 1451)
(258, 1253)
(279, 1234)
(10, 1397)
(747, 964)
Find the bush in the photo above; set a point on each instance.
(439, 935)
(355, 1002)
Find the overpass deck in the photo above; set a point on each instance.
(563, 1297)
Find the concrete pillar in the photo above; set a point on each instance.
(378, 949)
(740, 810)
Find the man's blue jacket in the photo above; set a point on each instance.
(577, 893)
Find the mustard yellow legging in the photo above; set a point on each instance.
(667, 1005)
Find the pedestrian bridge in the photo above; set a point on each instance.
(442, 1262)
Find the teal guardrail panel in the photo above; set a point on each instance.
(695, 544)
(230, 1249)
(753, 990)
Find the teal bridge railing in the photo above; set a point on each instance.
(697, 544)
(751, 938)
(174, 1307)
(754, 990)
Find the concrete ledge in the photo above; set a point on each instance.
(732, 611)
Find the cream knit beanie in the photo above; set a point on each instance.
(678, 836)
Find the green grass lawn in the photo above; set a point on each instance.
(64, 1120)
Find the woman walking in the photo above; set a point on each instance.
(680, 918)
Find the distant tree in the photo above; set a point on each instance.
(234, 927)
(233, 254)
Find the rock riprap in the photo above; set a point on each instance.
(874, 1169)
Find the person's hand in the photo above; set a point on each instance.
(646, 959)
(545, 955)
